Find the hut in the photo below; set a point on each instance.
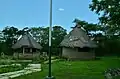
(26, 45)
(77, 45)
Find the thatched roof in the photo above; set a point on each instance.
(77, 38)
(26, 40)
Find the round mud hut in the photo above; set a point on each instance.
(77, 45)
(26, 46)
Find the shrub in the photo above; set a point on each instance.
(24, 65)
(40, 59)
(10, 68)
(65, 58)
(112, 73)
(5, 62)
(56, 57)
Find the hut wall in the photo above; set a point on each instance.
(72, 53)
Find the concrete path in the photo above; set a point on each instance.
(30, 69)
(10, 65)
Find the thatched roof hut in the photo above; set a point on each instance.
(28, 42)
(77, 43)
(77, 38)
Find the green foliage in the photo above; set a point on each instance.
(5, 62)
(108, 43)
(10, 69)
(64, 58)
(89, 27)
(8, 38)
(58, 34)
(39, 60)
(109, 17)
(76, 69)
(24, 64)
(109, 11)
(9, 35)
(41, 35)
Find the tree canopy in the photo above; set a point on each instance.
(109, 14)
(9, 36)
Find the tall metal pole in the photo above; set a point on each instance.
(50, 29)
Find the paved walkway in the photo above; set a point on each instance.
(30, 69)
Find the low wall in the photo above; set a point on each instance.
(26, 55)
(72, 53)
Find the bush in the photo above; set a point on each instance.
(56, 57)
(10, 69)
(24, 65)
(112, 73)
(5, 62)
(40, 59)
(64, 58)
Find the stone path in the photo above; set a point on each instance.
(9, 65)
(30, 69)
(46, 62)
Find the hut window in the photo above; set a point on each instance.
(85, 49)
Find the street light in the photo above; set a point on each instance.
(50, 29)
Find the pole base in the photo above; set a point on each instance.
(50, 77)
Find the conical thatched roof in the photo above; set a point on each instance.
(77, 38)
(27, 41)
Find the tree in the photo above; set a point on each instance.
(100, 39)
(10, 35)
(89, 27)
(1, 37)
(41, 34)
(109, 17)
(109, 12)
(37, 33)
(1, 41)
(58, 34)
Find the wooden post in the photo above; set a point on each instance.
(23, 50)
(30, 50)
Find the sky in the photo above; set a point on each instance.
(30, 13)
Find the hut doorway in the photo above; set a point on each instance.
(84, 49)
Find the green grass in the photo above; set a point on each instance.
(76, 69)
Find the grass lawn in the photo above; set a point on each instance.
(77, 69)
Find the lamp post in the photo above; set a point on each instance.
(50, 29)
